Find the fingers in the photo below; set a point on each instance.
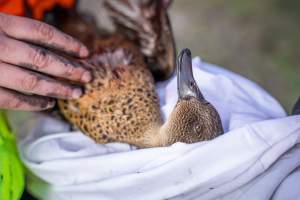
(19, 53)
(40, 33)
(12, 100)
(25, 81)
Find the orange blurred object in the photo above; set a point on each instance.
(14, 7)
(36, 7)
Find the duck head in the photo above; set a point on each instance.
(193, 118)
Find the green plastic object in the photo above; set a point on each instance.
(11, 168)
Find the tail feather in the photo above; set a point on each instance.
(296, 108)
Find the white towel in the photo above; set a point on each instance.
(257, 158)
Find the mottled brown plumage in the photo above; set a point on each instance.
(121, 104)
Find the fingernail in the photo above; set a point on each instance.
(83, 52)
(76, 93)
(86, 77)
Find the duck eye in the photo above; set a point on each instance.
(197, 127)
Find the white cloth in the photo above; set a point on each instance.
(257, 158)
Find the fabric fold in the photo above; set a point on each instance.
(259, 135)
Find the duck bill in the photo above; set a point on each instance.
(186, 84)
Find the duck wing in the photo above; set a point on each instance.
(147, 23)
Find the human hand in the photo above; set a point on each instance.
(26, 65)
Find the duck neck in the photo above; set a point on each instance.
(157, 135)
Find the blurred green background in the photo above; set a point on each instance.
(258, 39)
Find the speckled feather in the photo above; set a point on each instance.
(121, 101)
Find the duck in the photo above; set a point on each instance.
(121, 103)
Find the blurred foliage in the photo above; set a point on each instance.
(258, 39)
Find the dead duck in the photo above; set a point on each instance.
(121, 104)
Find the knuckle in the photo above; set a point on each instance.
(39, 58)
(29, 83)
(45, 31)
